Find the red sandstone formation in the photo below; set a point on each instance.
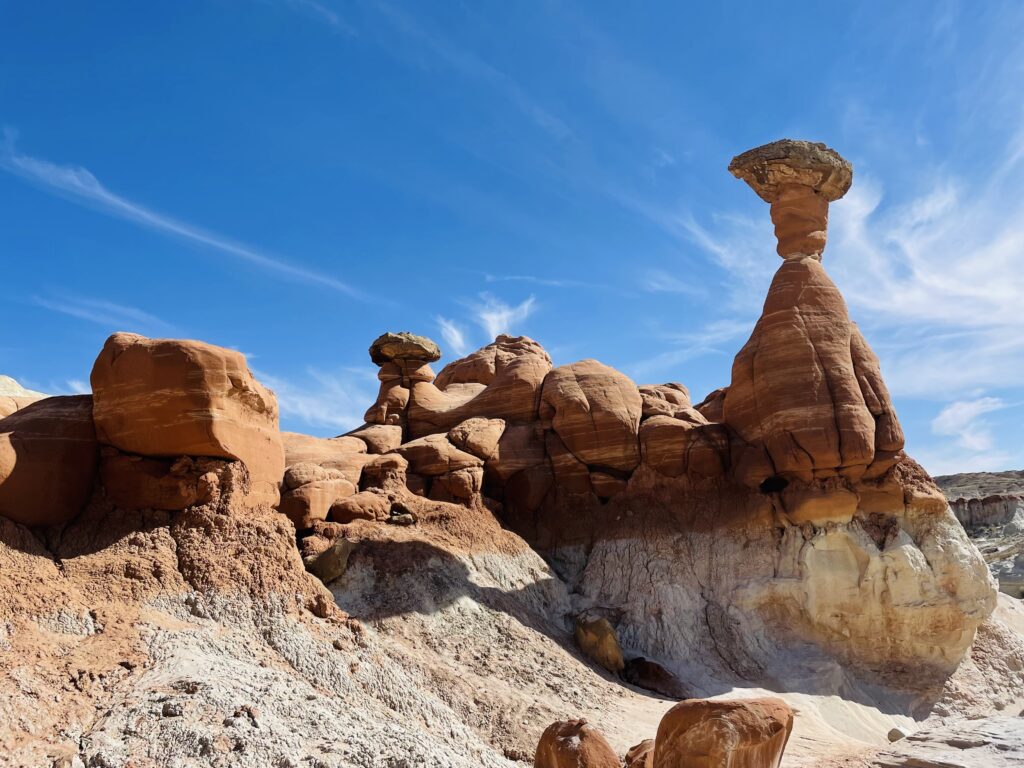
(574, 744)
(499, 381)
(806, 393)
(48, 459)
(780, 513)
(595, 410)
(169, 398)
(702, 733)
(640, 756)
(799, 179)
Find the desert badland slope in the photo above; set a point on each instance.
(503, 545)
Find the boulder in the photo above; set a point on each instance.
(307, 472)
(389, 347)
(170, 398)
(48, 457)
(311, 502)
(674, 447)
(499, 381)
(387, 471)
(574, 744)
(640, 756)
(595, 410)
(345, 454)
(571, 474)
(478, 436)
(379, 438)
(606, 485)
(330, 563)
(365, 505)
(434, 455)
(461, 486)
(712, 407)
(702, 733)
(525, 491)
(897, 733)
(597, 639)
(672, 399)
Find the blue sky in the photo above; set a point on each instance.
(293, 177)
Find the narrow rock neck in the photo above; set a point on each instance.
(800, 216)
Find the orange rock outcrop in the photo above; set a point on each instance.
(702, 733)
(574, 744)
(169, 398)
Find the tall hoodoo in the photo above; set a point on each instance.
(806, 387)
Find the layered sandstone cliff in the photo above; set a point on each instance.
(990, 506)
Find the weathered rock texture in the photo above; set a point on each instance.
(48, 457)
(799, 179)
(169, 398)
(595, 411)
(807, 387)
(574, 744)
(724, 734)
(775, 534)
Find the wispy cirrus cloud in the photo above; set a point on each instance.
(971, 444)
(962, 420)
(453, 335)
(536, 280)
(113, 316)
(323, 402)
(457, 58)
(322, 13)
(710, 339)
(81, 186)
(470, 65)
(497, 317)
(660, 281)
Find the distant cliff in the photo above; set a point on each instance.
(984, 498)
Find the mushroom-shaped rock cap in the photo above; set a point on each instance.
(403, 346)
(789, 161)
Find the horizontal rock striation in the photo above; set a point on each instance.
(774, 534)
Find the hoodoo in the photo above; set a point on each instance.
(501, 546)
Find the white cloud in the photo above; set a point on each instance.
(961, 420)
(114, 317)
(660, 281)
(325, 403)
(497, 317)
(938, 281)
(453, 335)
(79, 185)
(740, 245)
(687, 346)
